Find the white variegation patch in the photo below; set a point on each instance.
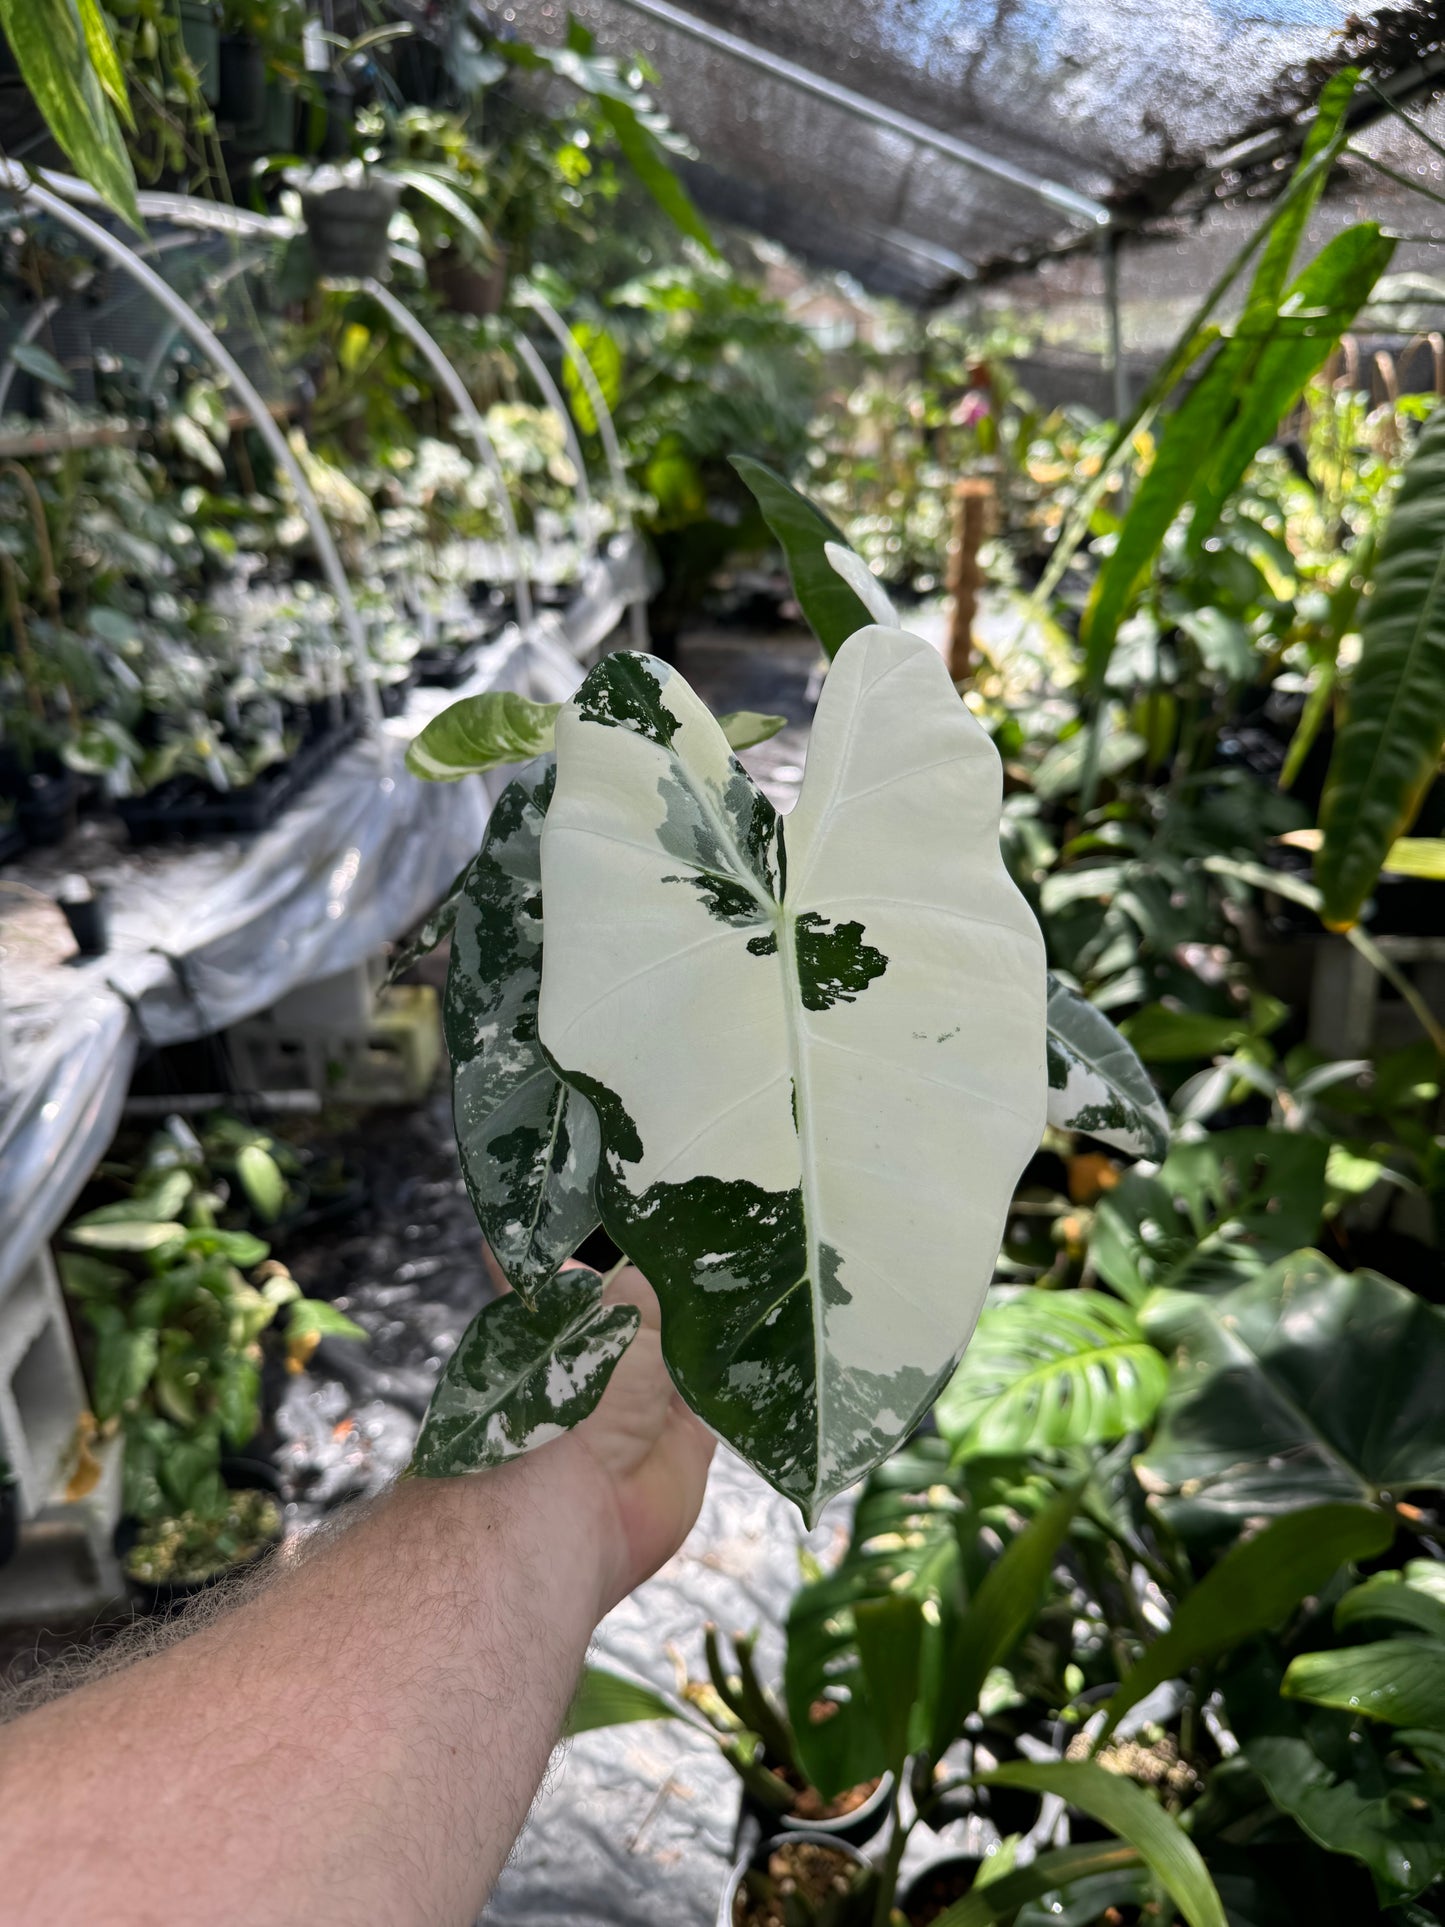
(816, 1048)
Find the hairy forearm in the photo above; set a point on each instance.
(361, 1741)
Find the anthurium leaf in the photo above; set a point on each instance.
(1055, 1871)
(261, 1180)
(1347, 1789)
(1126, 1810)
(834, 610)
(1388, 747)
(1048, 1370)
(1303, 1385)
(478, 733)
(520, 1378)
(744, 728)
(607, 1699)
(1400, 1682)
(528, 1144)
(1096, 1083)
(805, 1146)
(1257, 1583)
(998, 1615)
(1412, 1597)
(908, 1540)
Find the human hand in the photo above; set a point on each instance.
(644, 1451)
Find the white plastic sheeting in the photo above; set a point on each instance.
(204, 936)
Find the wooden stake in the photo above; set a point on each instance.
(973, 500)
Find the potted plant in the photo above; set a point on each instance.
(348, 212)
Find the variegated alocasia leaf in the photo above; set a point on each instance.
(521, 1377)
(815, 1047)
(528, 1144)
(1096, 1083)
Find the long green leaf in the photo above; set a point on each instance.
(1096, 1083)
(1133, 1815)
(49, 41)
(997, 1616)
(528, 1144)
(772, 1036)
(520, 1378)
(1049, 1370)
(1255, 1585)
(1389, 746)
(104, 59)
(1001, 1899)
(607, 1699)
(1312, 317)
(1414, 1597)
(890, 1636)
(833, 609)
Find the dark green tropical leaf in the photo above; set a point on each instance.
(478, 733)
(1388, 748)
(909, 1534)
(124, 1363)
(996, 1618)
(1047, 1370)
(890, 1635)
(1400, 1682)
(1303, 1386)
(519, 1378)
(38, 362)
(1132, 1814)
(1413, 1596)
(1051, 1872)
(528, 1144)
(1220, 1210)
(1256, 1585)
(607, 1699)
(833, 610)
(1096, 1084)
(1348, 1789)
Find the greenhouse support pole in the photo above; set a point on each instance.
(160, 290)
(616, 469)
(1109, 244)
(471, 415)
(542, 375)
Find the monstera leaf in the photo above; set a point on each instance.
(1304, 1385)
(1047, 1370)
(528, 1144)
(1096, 1083)
(521, 1377)
(817, 1058)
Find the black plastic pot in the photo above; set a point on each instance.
(935, 1888)
(88, 922)
(240, 1475)
(46, 811)
(241, 89)
(755, 1854)
(347, 225)
(466, 289)
(201, 38)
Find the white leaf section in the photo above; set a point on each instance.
(816, 1049)
(861, 580)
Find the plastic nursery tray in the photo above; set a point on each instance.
(184, 808)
